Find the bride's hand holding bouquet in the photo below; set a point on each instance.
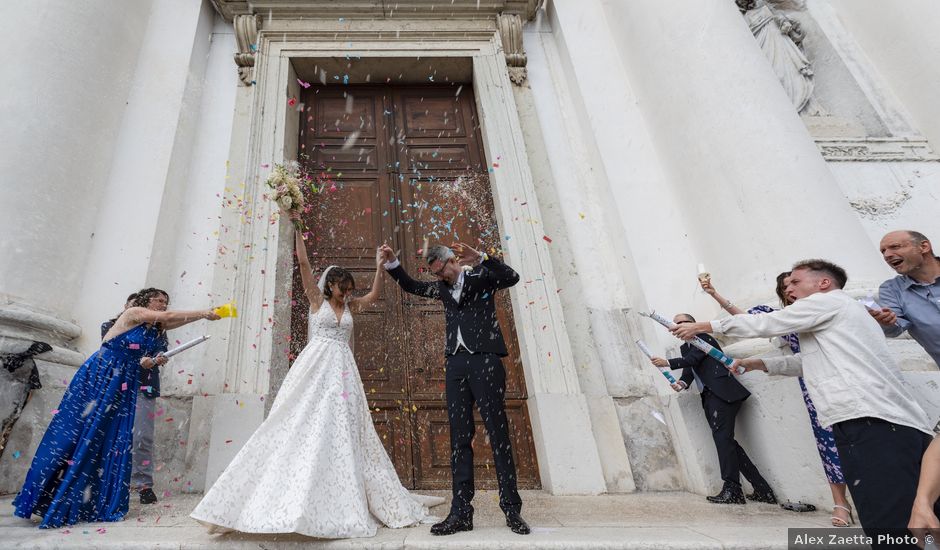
(284, 181)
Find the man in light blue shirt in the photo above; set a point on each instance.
(912, 299)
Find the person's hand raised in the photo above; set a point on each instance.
(706, 283)
(387, 254)
(379, 258)
(466, 254)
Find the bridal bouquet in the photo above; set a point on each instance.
(285, 182)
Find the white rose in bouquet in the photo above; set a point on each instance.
(284, 182)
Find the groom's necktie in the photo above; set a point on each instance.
(455, 291)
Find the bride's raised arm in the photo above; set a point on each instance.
(362, 302)
(314, 296)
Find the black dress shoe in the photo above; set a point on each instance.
(766, 496)
(452, 524)
(147, 496)
(518, 525)
(728, 495)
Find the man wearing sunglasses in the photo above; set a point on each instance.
(722, 397)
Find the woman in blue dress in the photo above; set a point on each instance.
(825, 440)
(82, 468)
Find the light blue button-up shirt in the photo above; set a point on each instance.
(917, 306)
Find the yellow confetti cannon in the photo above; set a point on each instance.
(226, 310)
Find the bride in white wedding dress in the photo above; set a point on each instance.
(316, 466)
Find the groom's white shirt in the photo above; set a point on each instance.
(455, 291)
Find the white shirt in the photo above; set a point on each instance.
(843, 359)
(455, 292)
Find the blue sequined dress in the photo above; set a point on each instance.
(82, 468)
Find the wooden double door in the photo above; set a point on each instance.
(400, 165)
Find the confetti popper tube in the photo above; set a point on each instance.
(646, 351)
(709, 349)
(186, 346)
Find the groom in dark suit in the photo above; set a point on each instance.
(722, 397)
(473, 350)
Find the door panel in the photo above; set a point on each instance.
(394, 164)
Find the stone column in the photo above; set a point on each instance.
(754, 189)
(65, 97)
(575, 212)
(61, 111)
(569, 461)
(145, 191)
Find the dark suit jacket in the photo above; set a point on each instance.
(475, 314)
(149, 378)
(711, 372)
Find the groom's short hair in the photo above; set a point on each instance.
(439, 252)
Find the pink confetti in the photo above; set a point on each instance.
(292, 101)
(546, 238)
(302, 83)
(144, 462)
(55, 411)
(133, 346)
(124, 386)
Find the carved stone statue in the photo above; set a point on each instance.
(781, 38)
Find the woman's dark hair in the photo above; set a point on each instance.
(143, 297)
(341, 277)
(782, 288)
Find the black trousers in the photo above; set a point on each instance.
(881, 463)
(732, 459)
(481, 379)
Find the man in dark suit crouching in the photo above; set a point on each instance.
(722, 397)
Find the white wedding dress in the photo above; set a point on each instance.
(315, 466)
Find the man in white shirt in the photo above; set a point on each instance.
(880, 430)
